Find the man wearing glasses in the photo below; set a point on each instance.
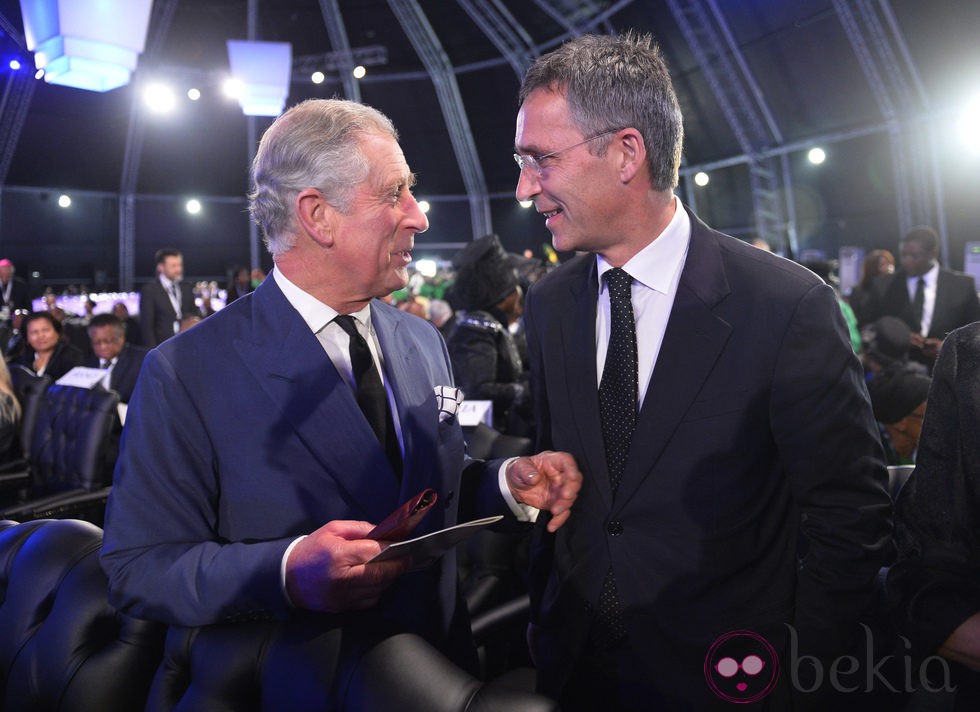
(733, 475)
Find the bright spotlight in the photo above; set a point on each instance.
(193, 206)
(816, 156)
(318, 77)
(427, 268)
(39, 74)
(701, 178)
(968, 125)
(15, 64)
(233, 88)
(359, 72)
(525, 203)
(63, 201)
(159, 98)
(424, 206)
(193, 94)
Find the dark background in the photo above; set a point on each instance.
(807, 71)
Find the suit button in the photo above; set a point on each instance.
(615, 527)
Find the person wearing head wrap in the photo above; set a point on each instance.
(486, 360)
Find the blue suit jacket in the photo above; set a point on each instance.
(204, 505)
(755, 435)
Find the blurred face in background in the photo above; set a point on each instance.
(42, 336)
(916, 258)
(107, 341)
(172, 267)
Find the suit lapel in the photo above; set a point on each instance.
(578, 315)
(694, 338)
(314, 403)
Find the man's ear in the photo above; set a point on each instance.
(315, 216)
(632, 154)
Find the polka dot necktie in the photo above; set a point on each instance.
(617, 392)
(617, 411)
(371, 396)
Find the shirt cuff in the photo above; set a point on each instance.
(523, 512)
(282, 570)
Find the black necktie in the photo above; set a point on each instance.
(371, 396)
(104, 364)
(918, 301)
(617, 392)
(617, 411)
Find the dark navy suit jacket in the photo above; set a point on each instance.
(204, 505)
(754, 494)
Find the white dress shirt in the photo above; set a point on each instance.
(656, 272)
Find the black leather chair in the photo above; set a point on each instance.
(29, 389)
(62, 646)
(68, 470)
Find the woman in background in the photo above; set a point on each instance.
(47, 353)
(9, 415)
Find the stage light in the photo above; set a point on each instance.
(15, 64)
(264, 69)
(64, 201)
(525, 203)
(86, 44)
(359, 72)
(816, 156)
(233, 88)
(424, 206)
(193, 94)
(159, 98)
(701, 178)
(968, 125)
(193, 206)
(318, 77)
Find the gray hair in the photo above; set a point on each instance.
(617, 82)
(315, 144)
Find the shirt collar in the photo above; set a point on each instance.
(656, 264)
(930, 278)
(315, 313)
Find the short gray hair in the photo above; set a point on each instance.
(617, 82)
(315, 144)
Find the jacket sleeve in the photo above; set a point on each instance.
(826, 434)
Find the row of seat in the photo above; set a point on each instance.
(64, 647)
(67, 443)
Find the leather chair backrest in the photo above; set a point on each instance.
(70, 439)
(486, 443)
(62, 646)
(30, 389)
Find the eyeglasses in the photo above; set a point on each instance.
(527, 161)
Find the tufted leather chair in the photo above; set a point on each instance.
(69, 471)
(62, 646)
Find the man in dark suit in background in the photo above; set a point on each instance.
(932, 300)
(166, 300)
(111, 351)
(733, 474)
(250, 475)
(14, 292)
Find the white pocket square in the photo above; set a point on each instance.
(448, 399)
